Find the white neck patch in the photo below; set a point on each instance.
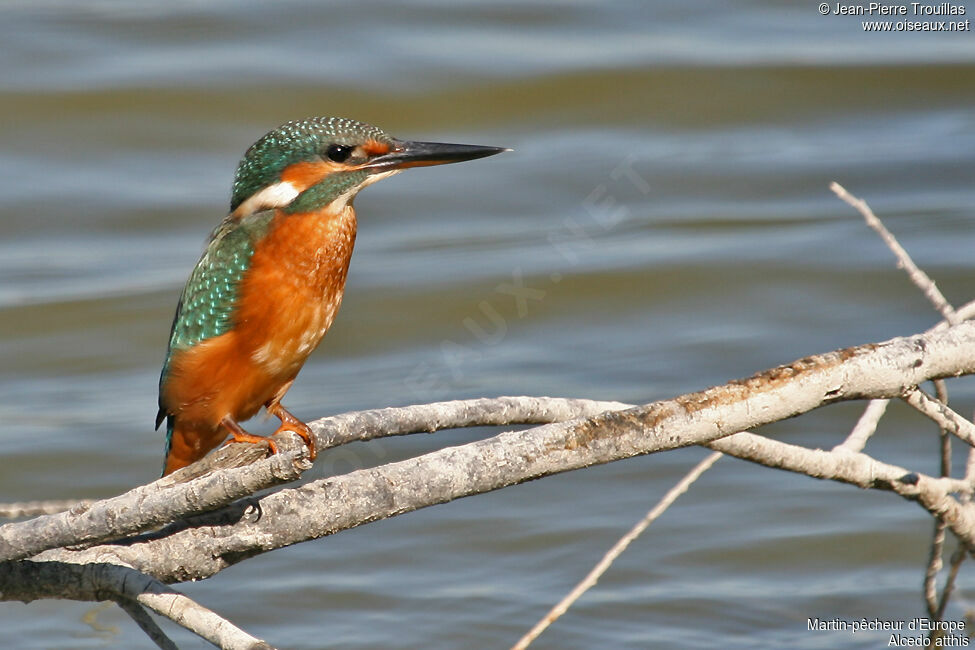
(272, 196)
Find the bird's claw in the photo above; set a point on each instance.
(303, 431)
(254, 440)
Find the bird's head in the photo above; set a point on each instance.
(306, 165)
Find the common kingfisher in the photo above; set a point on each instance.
(272, 276)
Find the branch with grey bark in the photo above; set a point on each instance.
(890, 369)
(211, 522)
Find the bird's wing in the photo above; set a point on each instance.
(207, 304)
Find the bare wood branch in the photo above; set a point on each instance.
(500, 411)
(593, 576)
(144, 507)
(35, 508)
(246, 528)
(957, 558)
(941, 414)
(249, 531)
(875, 370)
(936, 552)
(941, 394)
(970, 467)
(934, 567)
(105, 578)
(871, 371)
(865, 427)
(199, 620)
(932, 494)
(964, 312)
(170, 499)
(930, 290)
(854, 468)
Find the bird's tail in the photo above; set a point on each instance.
(186, 444)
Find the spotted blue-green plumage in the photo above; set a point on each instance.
(207, 302)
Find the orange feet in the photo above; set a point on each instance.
(239, 435)
(290, 423)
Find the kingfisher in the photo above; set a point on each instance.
(271, 278)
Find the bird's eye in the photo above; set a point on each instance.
(339, 152)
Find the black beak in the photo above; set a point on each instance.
(422, 154)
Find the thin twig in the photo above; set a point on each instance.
(904, 261)
(957, 558)
(146, 591)
(935, 554)
(865, 426)
(943, 415)
(145, 622)
(941, 393)
(930, 290)
(200, 620)
(934, 567)
(964, 312)
(618, 548)
(970, 467)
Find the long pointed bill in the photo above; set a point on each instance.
(423, 154)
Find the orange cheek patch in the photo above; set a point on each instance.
(305, 174)
(375, 147)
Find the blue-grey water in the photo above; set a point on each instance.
(668, 198)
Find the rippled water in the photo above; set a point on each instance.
(713, 130)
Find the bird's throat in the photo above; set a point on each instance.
(319, 196)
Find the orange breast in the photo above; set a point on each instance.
(287, 300)
(293, 289)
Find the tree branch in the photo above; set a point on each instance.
(144, 507)
(865, 427)
(870, 371)
(946, 418)
(35, 508)
(228, 526)
(323, 507)
(105, 578)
